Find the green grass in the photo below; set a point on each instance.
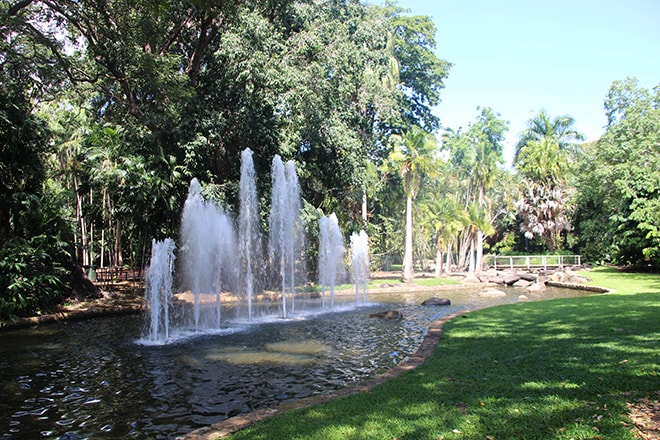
(556, 369)
(377, 283)
(436, 281)
(373, 284)
(623, 282)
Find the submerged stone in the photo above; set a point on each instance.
(388, 314)
(435, 301)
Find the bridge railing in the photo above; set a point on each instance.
(531, 261)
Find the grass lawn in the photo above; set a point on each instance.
(623, 282)
(556, 369)
(436, 281)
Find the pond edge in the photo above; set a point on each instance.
(225, 428)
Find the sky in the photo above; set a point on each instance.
(521, 56)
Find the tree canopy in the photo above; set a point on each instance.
(618, 213)
(108, 110)
(140, 97)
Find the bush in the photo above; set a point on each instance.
(34, 261)
(30, 280)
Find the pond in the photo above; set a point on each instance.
(93, 379)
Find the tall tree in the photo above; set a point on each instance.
(476, 157)
(415, 157)
(559, 130)
(542, 158)
(422, 73)
(618, 205)
(447, 218)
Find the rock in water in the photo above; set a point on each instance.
(388, 314)
(435, 301)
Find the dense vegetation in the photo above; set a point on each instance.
(108, 109)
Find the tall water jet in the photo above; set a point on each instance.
(158, 288)
(249, 233)
(285, 241)
(360, 259)
(331, 256)
(207, 251)
(297, 242)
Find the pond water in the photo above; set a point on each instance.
(93, 379)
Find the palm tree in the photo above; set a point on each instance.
(485, 138)
(541, 158)
(414, 156)
(447, 218)
(480, 226)
(559, 129)
(543, 161)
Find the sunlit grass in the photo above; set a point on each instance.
(623, 282)
(557, 369)
(433, 282)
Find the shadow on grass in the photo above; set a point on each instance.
(555, 369)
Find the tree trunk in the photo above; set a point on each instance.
(464, 249)
(448, 259)
(118, 254)
(83, 226)
(471, 258)
(90, 242)
(104, 208)
(438, 263)
(364, 206)
(480, 252)
(407, 251)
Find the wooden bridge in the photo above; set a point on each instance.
(109, 275)
(532, 261)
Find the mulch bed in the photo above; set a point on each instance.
(645, 415)
(125, 298)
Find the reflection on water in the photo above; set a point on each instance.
(91, 378)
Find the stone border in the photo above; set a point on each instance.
(576, 286)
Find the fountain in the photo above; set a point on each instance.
(208, 244)
(249, 233)
(360, 259)
(285, 240)
(331, 256)
(217, 258)
(158, 281)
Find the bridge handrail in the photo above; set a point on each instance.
(532, 261)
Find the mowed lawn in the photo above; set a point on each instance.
(559, 369)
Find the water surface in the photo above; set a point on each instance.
(93, 379)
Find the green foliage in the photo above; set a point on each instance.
(22, 141)
(33, 240)
(415, 158)
(618, 215)
(35, 262)
(421, 73)
(30, 277)
(543, 161)
(542, 158)
(558, 130)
